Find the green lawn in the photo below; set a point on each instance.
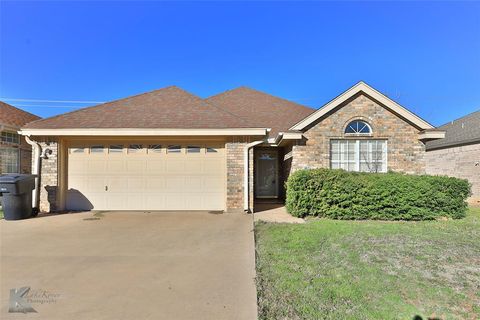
(1, 214)
(330, 269)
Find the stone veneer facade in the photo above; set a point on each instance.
(49, 177)
(405, 152)
(460, 162)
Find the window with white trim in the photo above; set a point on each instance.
(358, 127)
(359, 155)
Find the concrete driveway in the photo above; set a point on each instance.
(131, 265)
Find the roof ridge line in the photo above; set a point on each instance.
(262, 92)
(104, 103)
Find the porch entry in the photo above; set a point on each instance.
(266, 173)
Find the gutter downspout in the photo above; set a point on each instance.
(246, 187)
(36, 171)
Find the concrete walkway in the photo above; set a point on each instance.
(132, 265)
(274, 212)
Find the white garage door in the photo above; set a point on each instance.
(139, 176)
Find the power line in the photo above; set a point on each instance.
(40, 106)
(51, 101)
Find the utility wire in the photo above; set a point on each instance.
(51, 101)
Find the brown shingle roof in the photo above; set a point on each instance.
(170, 107)
(465, 130)
(11, 116)
(262, 109)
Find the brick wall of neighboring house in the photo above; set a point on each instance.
(49, 177)
(461, 162)
(405, 152)
(24, 154)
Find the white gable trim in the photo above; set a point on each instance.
(363, 87)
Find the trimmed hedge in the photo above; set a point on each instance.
(339, 194)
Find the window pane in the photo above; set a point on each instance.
(370, 156)
(116, 148)
(211, 150)
(135, 148)
(155, 148)
(9, 160)
(96, 149)
(174, 149)
(76, 150)
(193, 149)
(10, 137)
(357, 127)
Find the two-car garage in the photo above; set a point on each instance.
(146, 175)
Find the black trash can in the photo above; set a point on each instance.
(16, 190)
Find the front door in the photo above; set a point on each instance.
(266, 182)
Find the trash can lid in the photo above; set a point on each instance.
(15, 177)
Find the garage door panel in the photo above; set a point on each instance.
(155, 166)
(135, 166)
(115, 166)
(175, 165)
(194, 201)
(214, 184)
(174, 201)
(174, 184)
(96, 185)
(155, 183)
(194, 166)
(96, 165)
(194, 183)
(116, 201)
(146, 181)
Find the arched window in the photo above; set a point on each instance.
(358, 127)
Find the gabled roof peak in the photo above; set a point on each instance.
(362, 86)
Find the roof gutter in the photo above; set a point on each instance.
(144, 132)
(37, 160)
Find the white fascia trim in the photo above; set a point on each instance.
(431, 135)
(145, 132)
(287, 136)
(362, 86)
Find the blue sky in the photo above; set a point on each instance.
(425, 55)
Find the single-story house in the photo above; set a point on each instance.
(15, 152)
(171, 150)
(458, 155)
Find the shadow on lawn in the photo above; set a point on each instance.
(417, 317)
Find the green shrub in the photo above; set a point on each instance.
(339, 194)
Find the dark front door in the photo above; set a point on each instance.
(266, 182)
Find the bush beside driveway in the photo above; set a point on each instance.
(331, 269)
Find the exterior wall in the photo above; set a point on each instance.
(49, 182)
(405, 152)
(235, 169)
(460, 162)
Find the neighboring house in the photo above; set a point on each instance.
(458, 155)
(15, 152)
(170, 150)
